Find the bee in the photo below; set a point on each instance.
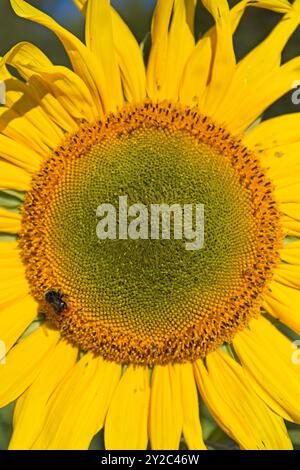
(55, 299)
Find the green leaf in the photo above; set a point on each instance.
(11, 200)
(295, 436)
(7, 237)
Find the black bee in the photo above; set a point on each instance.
(55, 299)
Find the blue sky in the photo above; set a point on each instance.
(63, 8)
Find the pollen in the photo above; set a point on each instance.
(151, 301)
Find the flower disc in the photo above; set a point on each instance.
(149, 301)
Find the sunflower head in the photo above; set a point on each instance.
(148, 300)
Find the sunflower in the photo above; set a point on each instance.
(129, 335)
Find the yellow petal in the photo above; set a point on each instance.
(180, 45)
(287, 187)
(291, 226)
(192, 431)
(21, 100)
(130, 59)
(10, 222)
(279, 6)
(283, 166)
(128, 55)
(16, 152)
(30, 410)
(288, 275)
(15, 318)
(81, 4)
(166, 417)
(260, 62)
(23, 363)
(11, 269)
(13, 177)
(239, 411)
(22, 132)
(291, 210)
(290, 253)
(267, 356)
(100, 42)
(77, 410)
(12, 287)
(10, 251)
(224, 57)
(244, 110)
(172, 43)
(279, 155)
(83, 61)
(156, 69)
(10, 257)
(23, 56)
(68, 89)
(24, 105)
(287, 193)
(274, 132)
(10, 260)
(190, 6)
(50, 105)
(126, 425)
(237, 12)
(196, 73)
(283, 299)
(197, 70)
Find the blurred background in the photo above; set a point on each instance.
(254, 27)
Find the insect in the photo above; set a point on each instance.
(55, 299)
